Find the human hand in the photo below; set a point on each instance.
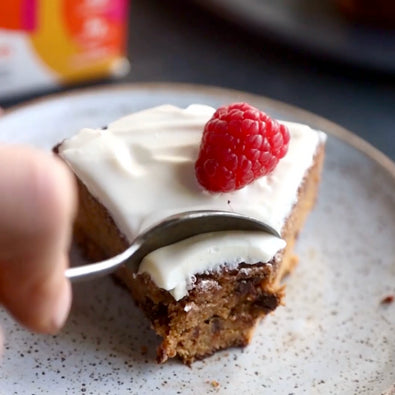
(37, 207)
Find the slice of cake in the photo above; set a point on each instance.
(205, 293)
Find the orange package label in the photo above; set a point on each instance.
(18, 14)
(60, 41)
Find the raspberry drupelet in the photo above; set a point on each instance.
(239, 145)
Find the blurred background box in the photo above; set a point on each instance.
(52, 43)
(377, 12)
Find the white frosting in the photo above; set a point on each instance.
(141, 168)
(206, 252)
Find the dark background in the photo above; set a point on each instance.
(176, 40)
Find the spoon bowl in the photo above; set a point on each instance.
(171, 230)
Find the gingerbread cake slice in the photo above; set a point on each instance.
(208, 292)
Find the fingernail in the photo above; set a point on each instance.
(62, 307)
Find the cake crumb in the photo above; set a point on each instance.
(144, 350)
(387, 299)
(214, 383)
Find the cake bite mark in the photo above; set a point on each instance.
(239, 145)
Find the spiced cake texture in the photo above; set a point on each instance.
(223, 306)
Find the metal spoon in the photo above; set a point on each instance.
(172, 229)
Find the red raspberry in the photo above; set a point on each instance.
(239, 144)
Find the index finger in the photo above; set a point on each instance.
(37, 206)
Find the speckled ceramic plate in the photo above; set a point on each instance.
(333, 336)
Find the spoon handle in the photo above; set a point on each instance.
(171, 230)
(99, 269)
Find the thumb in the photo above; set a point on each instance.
(37, 206)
